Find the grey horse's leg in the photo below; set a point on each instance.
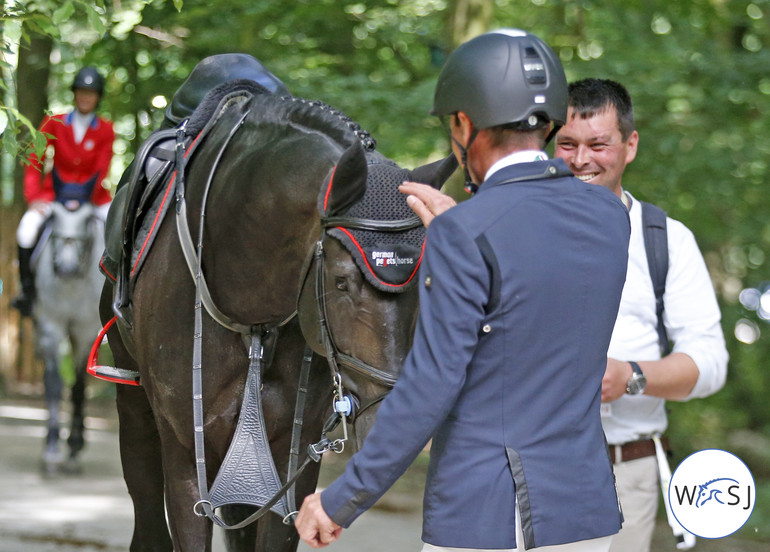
(52, 380)
(76, 439)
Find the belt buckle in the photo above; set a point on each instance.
(618, 453)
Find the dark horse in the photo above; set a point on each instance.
(272, 175)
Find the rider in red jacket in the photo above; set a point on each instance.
(82, 143)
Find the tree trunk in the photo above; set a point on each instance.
(17, 359)
(32, 91)
(468, 19)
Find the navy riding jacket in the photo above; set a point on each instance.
(519, 291)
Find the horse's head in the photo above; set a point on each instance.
(71, 237)
(358, 302)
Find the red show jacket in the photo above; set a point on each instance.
(75, 163)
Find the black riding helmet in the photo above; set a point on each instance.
(506, 77)
(503, 77)
(90, 79)
(213, 71)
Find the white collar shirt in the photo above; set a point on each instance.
(691, 317)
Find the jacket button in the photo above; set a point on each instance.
(487, 328)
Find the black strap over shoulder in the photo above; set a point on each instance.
(656, 246)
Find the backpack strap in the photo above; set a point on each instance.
(656, 246)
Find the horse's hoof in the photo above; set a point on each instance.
(52, 459)
(72, 466)
(49, 468)
(75, 445)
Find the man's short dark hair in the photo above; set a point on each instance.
(589, 97)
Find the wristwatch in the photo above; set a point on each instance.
(637, 383)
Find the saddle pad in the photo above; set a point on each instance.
(388, 260)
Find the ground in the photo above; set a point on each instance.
(91, 512)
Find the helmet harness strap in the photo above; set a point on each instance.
(470, 187)
(556, 127)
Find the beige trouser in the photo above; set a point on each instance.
(638, 489)
(594, 545)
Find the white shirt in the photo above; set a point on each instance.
(80, 124)
(692, 319)
(524, 156)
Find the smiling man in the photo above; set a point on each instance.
(597, 142)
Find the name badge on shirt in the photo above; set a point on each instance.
(606, 410)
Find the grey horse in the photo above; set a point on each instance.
(68, 285)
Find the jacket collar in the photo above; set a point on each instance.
(520, 172)
(71, 117)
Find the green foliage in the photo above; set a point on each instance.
(12, 120)
(697, 70)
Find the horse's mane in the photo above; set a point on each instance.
(316, 115)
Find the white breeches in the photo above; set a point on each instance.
(33, 219)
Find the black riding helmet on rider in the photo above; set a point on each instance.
(506, 78)
(88, 78)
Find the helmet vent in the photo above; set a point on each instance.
(534, 68)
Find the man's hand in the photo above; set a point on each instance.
(314, 526)
(615, 379)
(426, 201)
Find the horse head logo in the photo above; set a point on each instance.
(712, 490)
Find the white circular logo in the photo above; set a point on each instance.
(712, 493)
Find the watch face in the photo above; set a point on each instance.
(636, 384)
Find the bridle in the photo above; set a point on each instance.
(82, 243)
(337, 359)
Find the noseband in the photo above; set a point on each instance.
(336, 358)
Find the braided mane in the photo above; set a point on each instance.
(318, 115)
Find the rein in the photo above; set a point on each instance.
(257, 335)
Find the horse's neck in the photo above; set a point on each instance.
(262, 221)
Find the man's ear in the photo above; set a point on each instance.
(632, 144)
(465, 126)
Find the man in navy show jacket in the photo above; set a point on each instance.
(519, 290)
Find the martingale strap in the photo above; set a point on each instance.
(248, 474)
(185, 238)
(249, 449)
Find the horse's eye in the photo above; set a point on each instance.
(341, 283)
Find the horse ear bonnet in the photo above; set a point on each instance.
(388, 260)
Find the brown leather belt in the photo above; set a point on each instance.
(635, 450)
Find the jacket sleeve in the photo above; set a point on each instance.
(33, 172)
(454, 285)
(691, 314)
(101, 195)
